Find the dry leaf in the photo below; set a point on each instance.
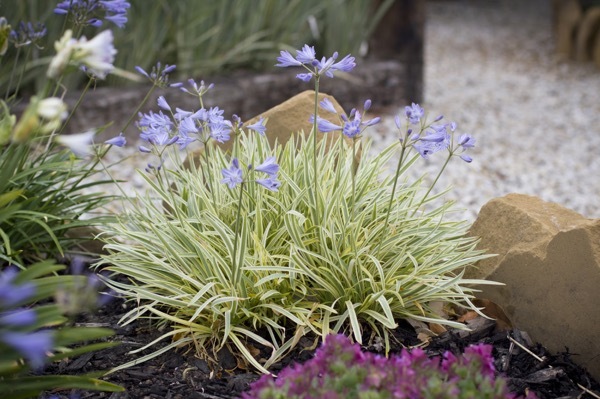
(437, 328)
(494, 311)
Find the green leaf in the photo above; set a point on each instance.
(28, 387)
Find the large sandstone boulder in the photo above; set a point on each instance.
(549, 260)
(292, 117)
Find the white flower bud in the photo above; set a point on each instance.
(79, 143)
(64, 49)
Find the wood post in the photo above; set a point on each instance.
(400, 36)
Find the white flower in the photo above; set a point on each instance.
(79, 143)
(98, 54)
(52, 108)
(64, 49)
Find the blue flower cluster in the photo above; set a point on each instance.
(14, 320)
(233, 175)
(306, 57)
(167, 126)
(159, 75)
(351, 126)
(28, 33)
(433, 138)
(87, 12)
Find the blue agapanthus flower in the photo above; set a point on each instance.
(118, 141)
(269, 166)
(259, 126)
(33, 346)
(306, 57)
(414, 113)
(158, 75)
(351, 126)
(91, 12)
(28, 33)
(232, 176)
(433, 141)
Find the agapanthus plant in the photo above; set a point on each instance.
(29, 335)
(223, 249)
(92, 12)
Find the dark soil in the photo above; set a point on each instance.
(178, 375)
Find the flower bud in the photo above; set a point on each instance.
(28, 124)
(7, 122)
(5, 29)
(64, 50)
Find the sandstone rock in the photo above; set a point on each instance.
(292, 116)
(549, 259)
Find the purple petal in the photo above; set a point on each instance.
(18, 318)
(306, 55)
(327, 105)
(118, 141)
(287, 60)
(141, 70)
(305, 77)
(323, 125)
(372, 122)
(33, 346)
(346, 64)
(258, 127)
(269, 183)
(269, 166)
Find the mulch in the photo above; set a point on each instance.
(180, 375)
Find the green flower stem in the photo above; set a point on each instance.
(235, 267)
(396, 176)
(105, 151)
(77, 104)
(12, 75)
(354, 171)
(210, 179)
(21, 73)
(433, 184)
(144, 101)
(316, 180)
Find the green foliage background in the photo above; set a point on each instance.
(205, 37)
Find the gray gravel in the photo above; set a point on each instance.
(491, 67)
